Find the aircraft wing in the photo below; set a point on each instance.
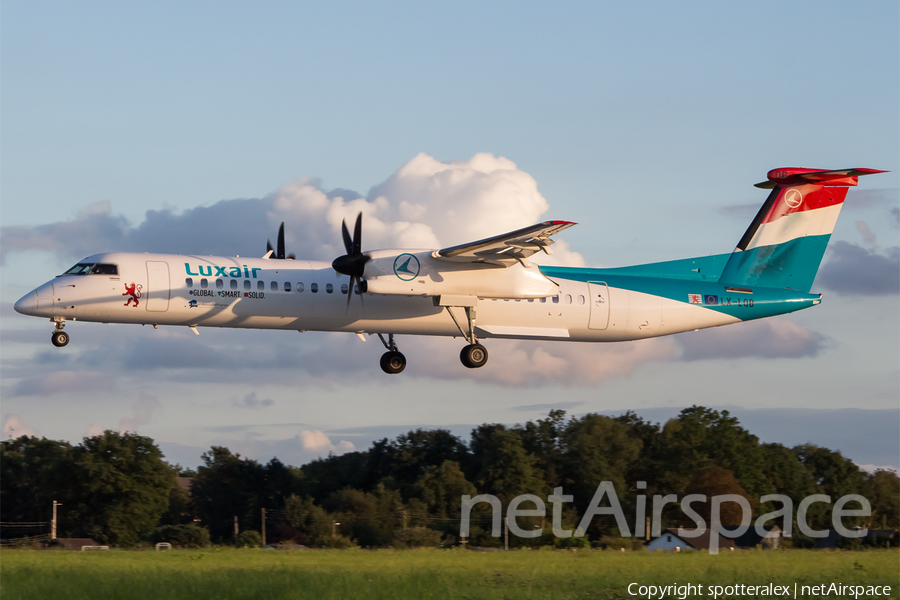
(508, 248)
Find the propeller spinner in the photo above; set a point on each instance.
(354, 262)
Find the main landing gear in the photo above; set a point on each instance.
(392, 361)
(59, 338)
(474, 355)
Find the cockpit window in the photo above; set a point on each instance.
(103, 269)
(93, 269)
(80, 269)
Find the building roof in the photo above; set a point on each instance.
(751, 539)
(76, 543)
(701, 542)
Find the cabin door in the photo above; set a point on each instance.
(599, 300)
(156, 295)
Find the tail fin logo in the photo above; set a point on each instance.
(793, 198)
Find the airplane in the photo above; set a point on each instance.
(440, 292)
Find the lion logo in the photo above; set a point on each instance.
(134, 291)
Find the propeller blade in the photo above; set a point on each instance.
(357, 235)
(349, 294)
(348, 243)
(280, 253)
(354, 262)
(268, 246)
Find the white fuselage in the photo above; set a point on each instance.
(211, 291)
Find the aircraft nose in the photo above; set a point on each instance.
(27, 304)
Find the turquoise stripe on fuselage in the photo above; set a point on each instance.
(763, 302)
(703, 268)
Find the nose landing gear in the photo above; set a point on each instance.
(392, 361)
(59, 338)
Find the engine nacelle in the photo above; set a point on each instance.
(418, 273)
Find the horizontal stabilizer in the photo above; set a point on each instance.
(799, 176)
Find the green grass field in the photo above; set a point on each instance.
(347, 574)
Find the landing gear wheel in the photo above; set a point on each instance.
(393, 362)
(474, 356)
(59, 338)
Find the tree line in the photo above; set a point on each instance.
(118, 489)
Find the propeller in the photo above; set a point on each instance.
(280, 253)
(354, 262)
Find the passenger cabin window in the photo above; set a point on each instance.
(287, 286)
(261, 285)
(580, 299)
(80, 269)
(246, 284)
(568, 298)
(204, 283)
(543, 299)
(329, 288)
(314, 287)
(233, 284)
(188, 282)
(299, 286)
(274, 286)
(102, 269)
(343, 288)
(219, 284)
(555, 299)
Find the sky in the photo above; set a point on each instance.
(198, 128)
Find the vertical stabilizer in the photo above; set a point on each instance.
(784, 244)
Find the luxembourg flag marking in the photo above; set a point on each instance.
(695, 298)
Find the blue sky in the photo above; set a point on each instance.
(646, 123)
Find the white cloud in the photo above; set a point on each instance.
(94, 430)
(873, 468)
(319, 443)
(13, 427)
(252, 402)
(426, 203)
(61, 382)
(523, 363)
(863, 228)
(299, 449)
(767, 339)
(143, 408)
